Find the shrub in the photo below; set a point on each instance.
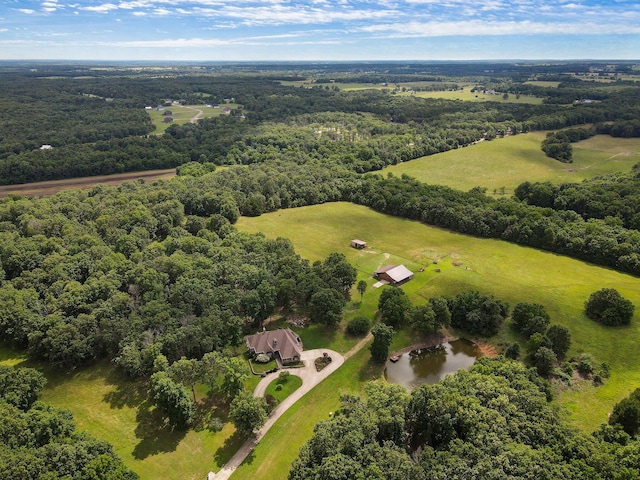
(512, 351)
(283, 376)
(358, 326)
(608, 307)
(530, 318)
(263, 358)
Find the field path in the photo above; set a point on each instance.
(310, 378)
(197, 115)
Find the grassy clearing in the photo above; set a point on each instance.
(507, 162)
(465, 94)
(116, 409)
(185, 114)
(507, 271)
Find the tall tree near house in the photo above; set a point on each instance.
(362, 287)
(187, 372)
(382, 338)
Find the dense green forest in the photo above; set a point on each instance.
(98, 125)
(490, 422)
(156, 279)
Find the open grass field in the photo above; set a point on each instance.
(468, 96)
(507, 271)
(185, 114)
(112, 407)
(51, 187)
(505, 163)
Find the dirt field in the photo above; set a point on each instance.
(43, 189)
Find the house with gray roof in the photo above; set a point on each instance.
(283, 344)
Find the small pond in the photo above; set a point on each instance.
(431, 364)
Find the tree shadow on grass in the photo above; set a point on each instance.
(127, 392)
(212, 412)
(371, 371)
(155, 434)
(229, 449)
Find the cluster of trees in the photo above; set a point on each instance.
(626, 416)
(121, 272)
(40, 441)
(557, 145)
(546, 344)
(172, 389)
(615, 197)
(493, 421)
(608, 307)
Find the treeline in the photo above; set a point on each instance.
(492, 421)
(615, 197)
(562, 231)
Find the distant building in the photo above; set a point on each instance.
(167, 113)
(358, 244)
(46, 147)
(283, 344)
(394, 274)
(168, 119)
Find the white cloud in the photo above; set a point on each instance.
(26, 11)
(104, 8)
(4, 29)
(478, 27)
(140, 14)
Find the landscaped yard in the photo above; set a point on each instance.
(507, 271)
(288, 386)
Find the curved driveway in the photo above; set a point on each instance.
(310, 378)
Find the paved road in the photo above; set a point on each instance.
(310, 378)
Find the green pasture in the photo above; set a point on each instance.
(182, 114)
(507, 271)
(468, 96)
(504, 163)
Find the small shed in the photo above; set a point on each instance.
(167, 113)
(394, 274)
(168, 119)
(355, 243)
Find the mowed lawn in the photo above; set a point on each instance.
(505, 163)
(507, 271)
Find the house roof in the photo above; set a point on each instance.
(358, 242)
(283, 341)
(397, 273)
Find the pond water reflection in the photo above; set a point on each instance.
(430, 365)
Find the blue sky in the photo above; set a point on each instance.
(255, 30)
